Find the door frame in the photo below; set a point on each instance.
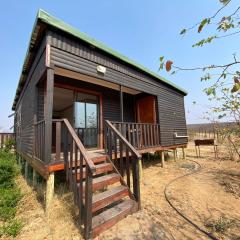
(154, 108)
(99, 95)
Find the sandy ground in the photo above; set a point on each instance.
(204, 197)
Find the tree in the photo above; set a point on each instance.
(224, 79)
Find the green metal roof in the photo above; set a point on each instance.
(45, 17)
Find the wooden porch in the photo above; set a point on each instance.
(144, 137)
(88, 171)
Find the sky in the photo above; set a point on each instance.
(142, 30)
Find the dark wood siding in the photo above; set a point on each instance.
(111, 99)
(27, 104)
(74, 55)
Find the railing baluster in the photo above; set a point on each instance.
(80, 189)
(145, 135)
(129, 132)
(121, 158)
(115, 148)
(65, 153)
(88, 204)
(137, 135)
(151, 134)
(133, 135)
(128, 168)
(76, 161)
(110, 144)
(58, 140)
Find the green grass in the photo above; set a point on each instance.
(10, 194)
(11, 228)
(221, 225)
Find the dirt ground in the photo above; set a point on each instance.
(210, 198)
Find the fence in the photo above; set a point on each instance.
(4, 137)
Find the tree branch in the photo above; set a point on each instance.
(212, 17)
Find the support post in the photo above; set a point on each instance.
(48, 109)
(162, 158)
(49, 192)
(174, 154)
(196, 151)
(183, 153)
(18, 160)
(26, 170)
(121, 103)
(34, 179)
(140, 169)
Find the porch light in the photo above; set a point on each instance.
(101, 69)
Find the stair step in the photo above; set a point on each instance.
(95, 160)
(103, 199)
(110, 217)
(103, 181)
(100, 168)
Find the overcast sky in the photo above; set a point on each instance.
(141, 30)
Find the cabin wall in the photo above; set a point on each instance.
(75, 55)
(110, 99)
(27, 105)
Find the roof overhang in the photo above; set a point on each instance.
(44, 17)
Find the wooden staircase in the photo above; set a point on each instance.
(111, 200)
(98, 184)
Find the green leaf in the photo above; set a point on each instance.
(203, 23)
(161, 58)
(183, 31)
(236, 88)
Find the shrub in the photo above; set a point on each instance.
(8, 169)
(9, 194)
(221, 225)
(9, 145)
(9, 199)
(11, 228)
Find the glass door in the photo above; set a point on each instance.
(86, 119)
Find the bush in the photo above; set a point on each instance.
(12, 228)
(9, 194)
(9, 199)
(9, 145)
(8, 169)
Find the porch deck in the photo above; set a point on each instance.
(99, 154)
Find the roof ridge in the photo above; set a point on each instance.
(60, 24)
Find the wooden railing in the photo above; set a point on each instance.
(4, 137)
(124, 157)
(140, 135)
(39, 140)
(76, 160)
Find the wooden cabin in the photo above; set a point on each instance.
(83, 108)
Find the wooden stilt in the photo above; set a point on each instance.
(18, 160)
(162, 158)
(140, 169)
(26, 170)
(174, 154)
(34, 179)
(196, 151)
(199, 153)
(183, 153)
(49, 192)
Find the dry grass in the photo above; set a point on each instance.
(203, 197)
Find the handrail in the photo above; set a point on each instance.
(133, 150)
(36, 123)
(79, 169)
(88, 160)
(140, 135)
(126, 159)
